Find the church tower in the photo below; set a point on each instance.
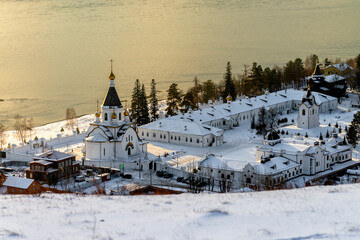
(308, 115)
(111, 108)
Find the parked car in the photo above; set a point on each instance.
(160, 173)
(168, 175)
(127, 176)
(179, 179)
(80, 178)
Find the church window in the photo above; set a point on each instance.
(175, 138)
(105, 117)
(154, 135)
(160, 135)
(171, 137)
(142, 133)
(197, 140)
(303, 112)
(119, 116)
(164, 136)
(179, 139)
(190, 139)
(186, 139)
(131, 138)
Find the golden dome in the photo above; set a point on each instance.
(111, 76)
(229, 98)
(97, 114)
(126, 113)
(113, 115)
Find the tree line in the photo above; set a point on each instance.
(251, 82)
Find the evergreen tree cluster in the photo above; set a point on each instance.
(139, 105)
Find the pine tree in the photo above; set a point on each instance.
(154, 106)
(252, 124)
(208, 91)
(188, 102)
(340, 129)
(351, 135)
(229, 84)
(173, 100)
(135, 103)
(144, 110)
(327, 134)
(321, 137)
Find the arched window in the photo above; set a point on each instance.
(313, 111)
(303, 112)
(119, 116)
(105, 116)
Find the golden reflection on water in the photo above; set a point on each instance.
(55, 54)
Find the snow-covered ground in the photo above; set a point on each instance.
(307, 213)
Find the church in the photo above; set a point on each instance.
(112, 139)
(332, 85)
(308, 115)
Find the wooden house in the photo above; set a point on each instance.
(53, 166)
(17, 185)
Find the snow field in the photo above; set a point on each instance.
(307, 213)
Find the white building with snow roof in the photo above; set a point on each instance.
(226, 116)
(112, 138)
(187, 133)
(277, 162)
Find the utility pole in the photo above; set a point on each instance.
(139, 170)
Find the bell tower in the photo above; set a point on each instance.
(111, 108)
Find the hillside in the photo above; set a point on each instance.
(308, 213)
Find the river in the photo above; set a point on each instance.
(55, 54)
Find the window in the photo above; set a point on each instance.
(105, 117)
(164, 136)
(160, 135)
(186, 139)
(190, 139)
(303, 112)
(197, 140)
(179, 139)
(147, 134)
(119, 116)
(154, 135)
(171, 137)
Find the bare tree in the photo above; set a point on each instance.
(71, 120)
(21, 127)
(30, 127)
(3, 136)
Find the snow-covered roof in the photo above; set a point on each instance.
(96, 138)
(53, 156)
(226, 110)
(341, 66)
(288, 147)
(333, 78)
(42, 162)
(213, 161)
(274, 165)
(182, 126)
(17, 182)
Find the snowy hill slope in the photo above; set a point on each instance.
(308, 213)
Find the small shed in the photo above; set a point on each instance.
(17, 185)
